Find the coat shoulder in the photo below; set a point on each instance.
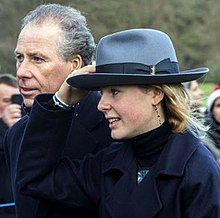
(202, 166)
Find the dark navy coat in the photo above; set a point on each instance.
(185, 182)
(5, 183)
(87, 131)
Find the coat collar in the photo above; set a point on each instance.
(25, 109)
(177, 152)
(119, 156)
(172, 161)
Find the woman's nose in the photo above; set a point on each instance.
(103, 104)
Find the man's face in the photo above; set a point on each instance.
(6, 92)
(40, 68)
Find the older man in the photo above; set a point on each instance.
(54, 41)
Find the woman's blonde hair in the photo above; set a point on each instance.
(177, 108)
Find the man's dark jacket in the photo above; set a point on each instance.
(88, 132)
(5, 183)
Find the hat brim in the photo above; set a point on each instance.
(94, 81)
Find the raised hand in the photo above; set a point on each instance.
(71, 95)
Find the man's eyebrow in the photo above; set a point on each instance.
(34, 54)
(31, 54)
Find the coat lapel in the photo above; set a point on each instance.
(178, 150)
(125, 198)
(149, 202)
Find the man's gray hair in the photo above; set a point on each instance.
(77, 38)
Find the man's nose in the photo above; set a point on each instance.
(23, 70)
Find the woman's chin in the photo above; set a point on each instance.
(117, 136)
(120, 136)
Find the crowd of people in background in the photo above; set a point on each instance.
(212, 119)
(209, 113)
(47, 29)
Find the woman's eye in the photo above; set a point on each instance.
(114, 91)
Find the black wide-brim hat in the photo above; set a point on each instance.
(135, 57)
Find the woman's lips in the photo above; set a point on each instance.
(113, 122)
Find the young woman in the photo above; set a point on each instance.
(159, 166)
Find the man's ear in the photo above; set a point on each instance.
(76, 63)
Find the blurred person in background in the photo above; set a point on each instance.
(201, 113)
(196, 96)
(213, 119)
(54, 40)
(9, 115)
(195, 92)
(216, 87)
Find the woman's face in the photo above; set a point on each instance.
(216, 110)
(196, 93)
(130, 110)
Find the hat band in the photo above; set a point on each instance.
(163, 67)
